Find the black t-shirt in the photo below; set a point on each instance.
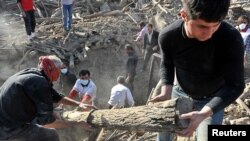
(209, 68)
(27, 97)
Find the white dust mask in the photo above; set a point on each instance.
(242, 26)
(84, 83)
(64, 70)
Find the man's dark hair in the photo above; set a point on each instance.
(151, 25)
(84, 72)
(128, 46)
(243, 17)
(208, 10)
(142, 24)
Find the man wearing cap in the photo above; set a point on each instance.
(27, 97)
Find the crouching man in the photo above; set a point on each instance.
(27, 97)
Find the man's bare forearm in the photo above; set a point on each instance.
(69, 101)
(60, 124)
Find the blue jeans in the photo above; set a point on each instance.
(28, 132)
(67, 16)
(202, 130)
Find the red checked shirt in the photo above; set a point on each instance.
(27, 5)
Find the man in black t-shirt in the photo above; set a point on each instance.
(206, 55)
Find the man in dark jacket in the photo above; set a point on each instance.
(150, 45)
(131, 65)
(27, 100)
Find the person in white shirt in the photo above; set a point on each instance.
(84, 87)
(243, 27)
(120, 95)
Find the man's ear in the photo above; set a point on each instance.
(183, 15)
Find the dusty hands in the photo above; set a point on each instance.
(87, 107)
(195, 118)
(159, 98)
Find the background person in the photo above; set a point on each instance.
(84, 87)
(67, 11)
(120, 95)
(131, 65)
(243, 27)
(150, 45)
(27, 8)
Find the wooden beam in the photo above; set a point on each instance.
(159, 117)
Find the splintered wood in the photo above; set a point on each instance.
(161, 116)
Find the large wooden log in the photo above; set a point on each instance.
(161, 116)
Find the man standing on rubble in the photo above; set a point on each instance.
(131, 65)
(206, 56)
(67, 11)
(150, 45)
(27, 103)
(27, 8)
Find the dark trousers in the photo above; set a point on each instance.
(147, 55)
(29, 21)
(130, 82)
